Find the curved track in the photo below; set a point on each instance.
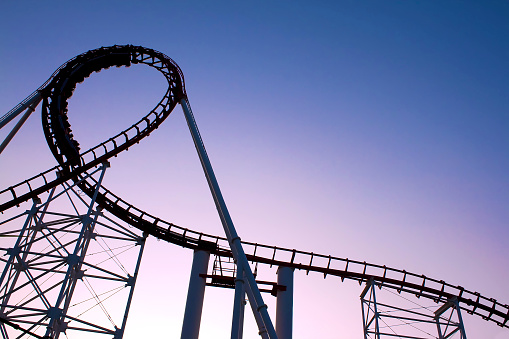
(74, 165)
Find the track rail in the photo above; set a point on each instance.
(57, 130)
(74, 165)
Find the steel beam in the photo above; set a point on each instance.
(195, 295)
(284, 303)
(255, 298)
(31, 101)
(238, 305)
(258, 318)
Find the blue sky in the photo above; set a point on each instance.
(377, 131)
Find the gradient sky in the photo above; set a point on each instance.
(373, 130)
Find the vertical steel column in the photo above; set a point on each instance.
(195, 295)
(366, 321)
(450, 326)
(460, 320)
(255, 298)
(10, 271)
(131, 282)
(284, 303)
(238, 305)
(377, 327)
(261, 327)
(23, 240)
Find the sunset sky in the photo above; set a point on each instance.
(373, 130)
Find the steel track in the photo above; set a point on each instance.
(74, 164)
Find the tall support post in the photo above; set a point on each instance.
(10, 272)
(255, 298)
(460, 320)
(258, 318)
(370, 314)
(377, 325)
(238, 305)
(284, 303)
(131, 282)
(195, 295)
(364, 326)
(446, 326)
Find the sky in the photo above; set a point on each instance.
(377, 131)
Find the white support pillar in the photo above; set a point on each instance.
(195, 295)
(238, 305)
(262, 331)
(284, 303)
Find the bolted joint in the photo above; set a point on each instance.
(72, 259)
(54, 312)
(20, 266)
(14, 250)
(89, 235)
(262, 331)
(260, 307)
(119, 333)
(86, 220)
(38, 226)
(140, 241)
(130, 281)
(78, 274)
(276, 288)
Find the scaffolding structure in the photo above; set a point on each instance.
(383, 319)
(68, 260)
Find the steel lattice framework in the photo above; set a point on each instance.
(41, 251)
(66, 244)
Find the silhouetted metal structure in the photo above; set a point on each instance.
(78, 177)
(386, 320)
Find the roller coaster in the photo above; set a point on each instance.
(38, 280)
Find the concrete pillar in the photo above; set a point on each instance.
(195, 294)
(284, 303)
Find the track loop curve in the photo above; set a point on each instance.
(57, 129)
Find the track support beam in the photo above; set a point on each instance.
(30, 107)
(445, 325)
(284, 303)
(238, 305)
(255, 297)
(195, 295)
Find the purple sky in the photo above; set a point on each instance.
(376, 131)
